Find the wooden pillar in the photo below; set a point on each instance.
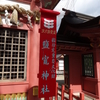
(56, 93)
(97, 71)
(35, 5)
(81, 96)
(70, 94)
(62, 92)
(34, 53)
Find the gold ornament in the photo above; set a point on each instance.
(24, 95)
(18, 95)
(13, 96)
(2, 97)
(7, 96)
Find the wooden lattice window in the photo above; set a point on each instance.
(13, 52)
(88, 65)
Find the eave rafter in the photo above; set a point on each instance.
(91, 30)
(72, 48)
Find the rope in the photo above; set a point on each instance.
(35, 14)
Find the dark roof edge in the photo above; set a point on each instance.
(80, 15)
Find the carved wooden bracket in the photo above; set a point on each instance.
(95, 42)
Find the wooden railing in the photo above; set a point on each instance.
(63, 92)
(60, 72)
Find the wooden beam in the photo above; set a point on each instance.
(71, 48)
(66, 52)
(91, 30)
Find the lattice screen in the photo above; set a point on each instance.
(13, 52)
(88, 65)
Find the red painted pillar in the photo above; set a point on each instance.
(62, 92)
(34, 54)
(97, 71)
(70, 94)
(35, 5)
(81, 96)
(56, 93)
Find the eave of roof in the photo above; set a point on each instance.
(46, 5)
(76, 24)
(75, 29)
(80, 15)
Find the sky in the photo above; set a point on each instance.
(88, 7)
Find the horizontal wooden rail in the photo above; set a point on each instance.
(76, 97)
(70, 93)
(59, 88)
(59, 94)
(66, 98)
(66, 92)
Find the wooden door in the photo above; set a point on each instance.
(66, 71)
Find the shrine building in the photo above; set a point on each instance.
(77, 40)
(19, 48)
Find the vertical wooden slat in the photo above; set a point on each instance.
(81, 96)
(70, 94)
(4, 53)
(56, 95)
(18, 54)
(62, 92)
(11, 56)
(25, 66)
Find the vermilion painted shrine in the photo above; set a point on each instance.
(78, 39)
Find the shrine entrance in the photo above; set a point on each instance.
(79, 38)
(66, 72)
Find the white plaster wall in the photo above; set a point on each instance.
(25, 6)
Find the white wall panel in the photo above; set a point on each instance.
(25, 6)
